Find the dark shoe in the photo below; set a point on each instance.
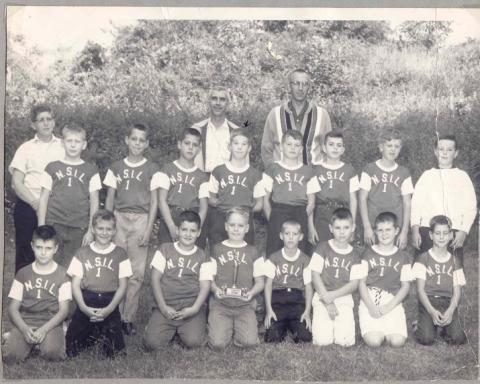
(128, 328)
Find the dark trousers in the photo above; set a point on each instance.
(25, 221)
(426, 331)
(288, 307)
(216, 227)
(427, 244)
(83, 333)
(280, 214)
(164, 234)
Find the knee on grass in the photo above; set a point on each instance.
(424, 339)
(396, 341)
(374, 339)
(52, 353)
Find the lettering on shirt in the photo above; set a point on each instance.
(40, 284)
(70, 172)
(288, 177)
(386, 178)
(129, 174)
(286, 269)
(233, 180)
(440, 269)
(99, 263)
(182, 178)
(180, 263)
(331, 175)
(234, 256)
(337, 262)
(384, 262)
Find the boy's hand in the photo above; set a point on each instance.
(91, 313)
(87, 238)
(446, 318)
(327, 298)
(185, 313)
(383, 309)
(144, 239)
(375, 312)
(306, 318)
(40, 334)
(368, 236)
(29, 336)
(103, 313)
(416, 238)
(268, 318)
(459, 239)
(312, 236)
(436, 317)
(169, 312)
(309, 209)
(173, 231)
(248, 296)
(402, 239)
(332, 310)
(219, 293)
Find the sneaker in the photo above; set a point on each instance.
(128, 328)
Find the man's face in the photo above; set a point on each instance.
(218, 103)
(43, 125)
(445, 153)
(299, 86)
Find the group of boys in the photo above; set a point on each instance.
(307, 276)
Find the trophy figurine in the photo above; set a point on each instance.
(233, 291)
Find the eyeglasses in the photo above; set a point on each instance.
(46, 119)
(299, 84)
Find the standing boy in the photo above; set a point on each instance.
(237, 277)
(181, 276)
(39, 303)
(132, 193)
(99, 280)
(69, 196)
(335, 269)
(26, 168)
(232, 184)
(289, 192)
(385, 281)
(182, 187)
(440, 279)
(386, 186)
(338, 186)
(288, 289)
(445, 190)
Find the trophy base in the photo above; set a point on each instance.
(235, 293)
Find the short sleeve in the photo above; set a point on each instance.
(125, 269)
(269, 269)
(459, 277)
(158, 262)
(16, 291)
(162, 180)
(316, 263)
(307, 275)
(354, 184)
(419, 271)
(258, 267)
(363, 269)
(19, 161)
(95, 183)
(46, 181)
(75, 268)
(203, 191)
(206, 270)
(365, 181)
(406, 273)
(65, 292)
(356, 272)
(154, 182)
(258, 190)
(110, 180)
(313, 186)
(213, 184)
(407, 186)
(267, 182)
(214, 267)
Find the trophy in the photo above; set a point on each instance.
(233, 291)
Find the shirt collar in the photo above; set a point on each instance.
(394, 167)
(55, 139)
(385, 253)
(177, 164)
(105, 251)
(134, 165)
(229, 244)
(232, 168)
(290, 168)
(183, 251)
(291, 258)
(341, 251)
(47, 272)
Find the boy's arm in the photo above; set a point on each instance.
(166, 310)
(152, 216)
(312, 231)
(17, 320)
(258, 204)
(258, 286)
(267, 207)
(56, 320)
(269, 313)
(369, 236)
(203, 209)
(353, 205)
(91, 313)
(42, 206)
(310, 204)
(18, 185)
(447, 316)
(402, 239)
(110, 199)
(166, 214)
(94, 204)
(423, 298)
(202, 296)
(365, 296)
(117, 298)
(308, 306)
(397, 299)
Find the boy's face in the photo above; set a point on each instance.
(189, 147)
(44, 250)
(188, 233)
(74, 143)
(137, 142)
(44, 124)
(218, 103)
(334, 148)
(386, 233)
(291, 235)
(103, 231)
(441, 235)
(390, 149)
(291, 148)
(445, 153)
(240, 147)
(236, 226)
(342, 230)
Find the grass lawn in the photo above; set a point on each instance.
(285, 361)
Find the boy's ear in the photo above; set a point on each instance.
(397, 231)
(300, 238)
(281, 235)
(126, 140)
(455, 154)
(84, 145)
(330, 228)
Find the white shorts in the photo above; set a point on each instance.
(393, 323)
(341, 330)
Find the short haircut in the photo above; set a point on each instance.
(45, 232)
(292, 223)
(333, 134)
(74, 128)
(448, 136)
(140, 127)
(220, 88)
(341, 213)
(240, 210)
(189, 132)
(240, 132)
(440, 220)
(39, 108)
(190, 217)
(389, 134)
(103, 214)
(386, 217)
(294, 134)
(298, 70)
